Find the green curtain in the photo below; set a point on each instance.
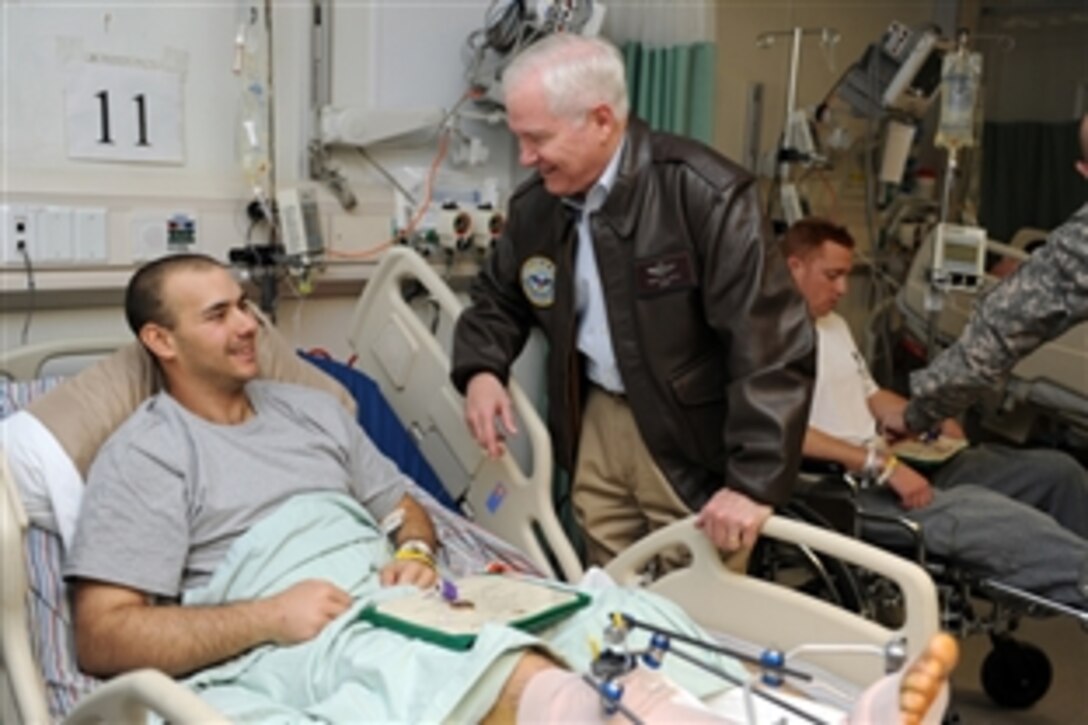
(672, 88)
(1028, 178)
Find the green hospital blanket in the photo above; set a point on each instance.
(354, 670)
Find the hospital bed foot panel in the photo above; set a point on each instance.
(759, 611)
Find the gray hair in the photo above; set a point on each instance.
(577, 73)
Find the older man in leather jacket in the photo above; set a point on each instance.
(680, 358)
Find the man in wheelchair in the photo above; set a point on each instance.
(1013, 515)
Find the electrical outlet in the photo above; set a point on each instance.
(487, 226)
(455, 227)
(17, 229)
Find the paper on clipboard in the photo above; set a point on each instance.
(935, 452)
(521, 602)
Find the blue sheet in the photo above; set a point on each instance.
(380, 422)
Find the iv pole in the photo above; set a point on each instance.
(936, 291)
(792, 149)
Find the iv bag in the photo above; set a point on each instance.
(252, 68)
(961, 74)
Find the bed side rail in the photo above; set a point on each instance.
(404, 356)
(132, 696)
(19, 667)
(125, 699)
(28, 361)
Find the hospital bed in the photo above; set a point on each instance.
(504, 502)
(1053, 379)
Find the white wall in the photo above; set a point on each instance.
(44, 41)
(387, 56)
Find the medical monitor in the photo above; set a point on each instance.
(902, 72)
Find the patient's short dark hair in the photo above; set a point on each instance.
(143, 297)
(808, 234)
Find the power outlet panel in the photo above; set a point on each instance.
(52, 235)
(16, 233)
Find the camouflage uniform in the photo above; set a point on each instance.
(1046, 296)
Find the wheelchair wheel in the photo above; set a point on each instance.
(1015, 674)
(805, 570)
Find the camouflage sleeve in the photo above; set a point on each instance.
(1041, 300)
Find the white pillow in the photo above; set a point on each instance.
(49, 485)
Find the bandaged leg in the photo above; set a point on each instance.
(561, 696)
(919, 693)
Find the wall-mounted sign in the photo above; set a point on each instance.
(124, 113)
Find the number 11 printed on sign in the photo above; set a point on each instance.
(122, 113)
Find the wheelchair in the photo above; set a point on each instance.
(1014, 674)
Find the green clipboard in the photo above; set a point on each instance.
(521, 602)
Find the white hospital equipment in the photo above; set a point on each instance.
(895, 80)
(797, 145)
(510, 26)
(300, 224)
(961, 78)
(398, 349)
(959, 257)
(891, 87)
(958, 251)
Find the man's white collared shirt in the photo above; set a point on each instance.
(593, 338)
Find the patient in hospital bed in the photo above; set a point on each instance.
(233, 529)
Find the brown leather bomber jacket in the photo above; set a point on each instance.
(712, 339)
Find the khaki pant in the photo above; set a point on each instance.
(619, 493)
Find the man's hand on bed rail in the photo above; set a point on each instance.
(731, 520)
(489, 413)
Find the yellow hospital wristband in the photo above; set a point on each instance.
(416, 550)
(889, 468)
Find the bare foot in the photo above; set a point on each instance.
(924, 678)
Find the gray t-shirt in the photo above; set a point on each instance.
(170, 492)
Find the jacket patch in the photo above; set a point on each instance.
(538, 280)
(669, 272)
